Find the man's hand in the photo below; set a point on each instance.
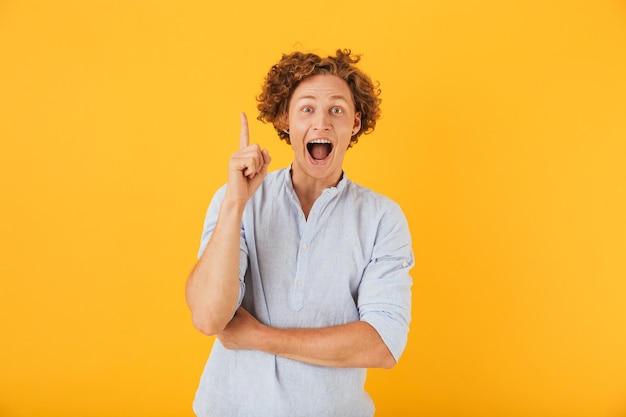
(247, 167)
(242, 332)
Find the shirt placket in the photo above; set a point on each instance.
(308, 229)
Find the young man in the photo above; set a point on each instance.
(302, 275)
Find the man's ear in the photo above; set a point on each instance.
(357, 123)
(282, 122)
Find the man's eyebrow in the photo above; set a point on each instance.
(333, 97)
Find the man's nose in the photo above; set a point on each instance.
(322, 121)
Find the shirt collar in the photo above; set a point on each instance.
(343, 181)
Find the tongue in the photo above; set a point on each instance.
(319, 151)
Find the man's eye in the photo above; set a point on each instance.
(336, 110)
(307, 110)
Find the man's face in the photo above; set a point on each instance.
(322, 119)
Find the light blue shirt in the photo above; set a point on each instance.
(349, 261)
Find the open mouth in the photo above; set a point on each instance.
(319, 149)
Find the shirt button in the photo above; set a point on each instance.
(405, 264)
(299, 282)
(305, 246)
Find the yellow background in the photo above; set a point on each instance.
(503, 137)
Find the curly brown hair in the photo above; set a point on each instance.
(283, 78)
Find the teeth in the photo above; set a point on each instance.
(320, 141)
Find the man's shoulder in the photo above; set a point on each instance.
(368, 195)
(278, 175)
(273, 185)
(274, 179)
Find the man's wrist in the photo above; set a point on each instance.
(232, 205)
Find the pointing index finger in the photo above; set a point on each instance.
(244, 137)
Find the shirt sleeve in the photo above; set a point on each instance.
(210, 221)
(384, 297)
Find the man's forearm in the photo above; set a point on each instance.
(352, 345)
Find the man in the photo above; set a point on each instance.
(302, 275)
